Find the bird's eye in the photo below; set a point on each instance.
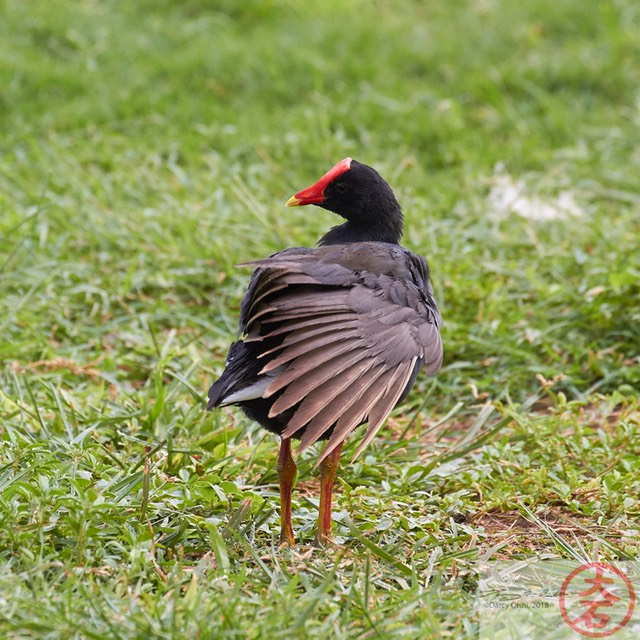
(341, 187)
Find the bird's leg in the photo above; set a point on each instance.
(287, 474)
(328, 469)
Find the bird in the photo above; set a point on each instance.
(333, 336)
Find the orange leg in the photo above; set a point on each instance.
(287, 474)
(328, 469)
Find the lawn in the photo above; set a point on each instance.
(147, 148)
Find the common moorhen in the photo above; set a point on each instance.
(334, 336)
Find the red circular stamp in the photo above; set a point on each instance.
(597, 599)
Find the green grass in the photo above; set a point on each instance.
(148, 147)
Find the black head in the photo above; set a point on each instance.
(356, 192)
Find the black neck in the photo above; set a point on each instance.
(389, 229)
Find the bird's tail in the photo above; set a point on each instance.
(240, 381)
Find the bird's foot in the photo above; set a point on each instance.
(323, 541)
(287, 539)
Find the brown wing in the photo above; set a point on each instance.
(356, 324)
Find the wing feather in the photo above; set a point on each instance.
(332, 412)
(311, 363)
(300, 335)
(301, 347)
(312, 321)
(385, 404)
(345, 331)
(320, 408)
(356, 414)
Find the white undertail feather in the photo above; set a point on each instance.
(253, 391)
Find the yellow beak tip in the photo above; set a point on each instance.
(293, 202)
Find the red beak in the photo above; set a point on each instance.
(315, 193)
